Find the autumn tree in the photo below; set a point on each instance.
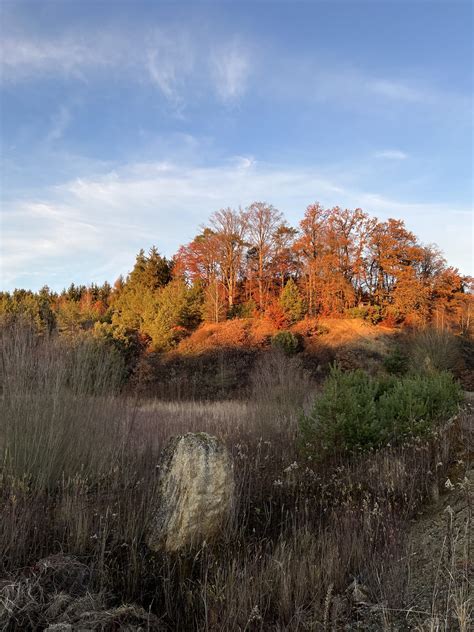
(451, 301)
(199, 262)
(393, 255)
(285, 259)
(252, 261)
(310, 248)
(263, 223)
(346, 235)
(229, 227)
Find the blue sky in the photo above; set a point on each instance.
(126, 124)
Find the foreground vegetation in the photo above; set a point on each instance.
(326, 483)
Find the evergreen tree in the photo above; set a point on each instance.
(291, 302)
(137, 302)
(150, 272)
(177, 311)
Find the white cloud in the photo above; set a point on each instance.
(24, 57)
(338, 83)
(244, 162)
(231, 69)
(184, 67)
(396, 90)
(90, 229)
(170, 60)
(164, 57)
(391, 154)
(34, 234)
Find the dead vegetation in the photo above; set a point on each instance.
(311, 546)
(54, 594)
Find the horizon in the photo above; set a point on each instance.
(128, 124)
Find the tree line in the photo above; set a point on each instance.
(251, 263)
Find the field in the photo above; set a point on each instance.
(373, 537)
(236, 316)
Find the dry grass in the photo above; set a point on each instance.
(434, 350)
(238, 332)
(256, 332)
(84, 488)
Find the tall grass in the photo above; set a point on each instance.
(60, 416)
(433, 349)
(78, 476)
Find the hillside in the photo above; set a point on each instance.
(228, 359)
(257, 332)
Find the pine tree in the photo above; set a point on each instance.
(291, 302)
(177, 311)
(137, 303)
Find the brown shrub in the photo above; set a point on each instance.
(433, 349)
(307, 327)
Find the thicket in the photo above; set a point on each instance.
(358, 412)
(288, 342)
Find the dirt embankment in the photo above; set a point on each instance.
(257, 332)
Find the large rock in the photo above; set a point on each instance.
(196, 493)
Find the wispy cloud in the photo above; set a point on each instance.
(397, 90)
(24, 57)
(38, 238)
(183, 65)
(244, 162)
(173, 59)
(231, 69)
(341, 84)
(186, 68)
(170, 60)
(391, 154)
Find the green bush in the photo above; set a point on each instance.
(288, 342)
(357, 312)
(412, 405)
(358, 412)
(345, 413)
(243, 310)
(396, 363)
(371, 313)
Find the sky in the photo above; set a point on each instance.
(125, 124)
